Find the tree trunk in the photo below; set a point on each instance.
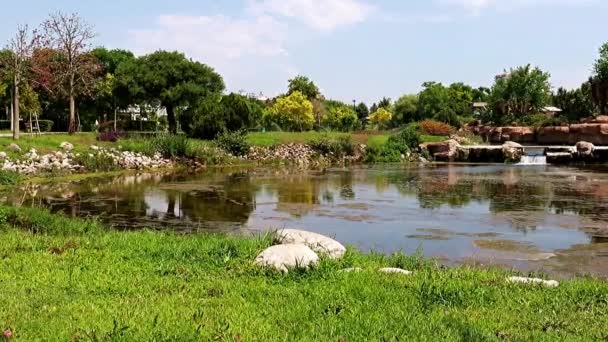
(72, 124)
(171, 119)
(16, 111)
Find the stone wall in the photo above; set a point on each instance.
(595, 133)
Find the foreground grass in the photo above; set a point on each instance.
(66, 279)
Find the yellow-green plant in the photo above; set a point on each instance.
(292, 112)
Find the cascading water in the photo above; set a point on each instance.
(533, 156)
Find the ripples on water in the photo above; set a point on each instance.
(528, 217)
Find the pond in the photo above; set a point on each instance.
(527, 217)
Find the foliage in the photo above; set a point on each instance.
(303, 85)
(337, 147)
(575, 104)
(339, 116)
(433, 127)
(112, 136)
(380, 118)
(211, 116)
(445, 104)
(405, 110)
(45, 125)
(10, 178)
(385, 103)
(170, 145)
(599, 80)
(293, 112)
(233, 142)
(96, 162)
(169, 79)
(518, 93)
(396, 147)
(362, 111)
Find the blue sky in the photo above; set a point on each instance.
(353, 49)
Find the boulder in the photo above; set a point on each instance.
(442, 151)
(596, 134)
(285, 257)
(512, 151)
(14, 148)
(523, 280)
(317, 242)
(394, 270)
(556, 135)
(585, 149)
(518, 134)
(3, 155)
(66, 146)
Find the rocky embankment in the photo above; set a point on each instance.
(452, 151)
(64, 160)
(302, 155)
(593, 130)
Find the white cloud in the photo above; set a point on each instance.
(322, 15)
(241, 49)
(476, 7)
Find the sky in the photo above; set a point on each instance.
(358, 50)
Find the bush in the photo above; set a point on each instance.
(98, 162)
(339, 147)
(111, 136)
(170, 146)
(45, 125)
(432, 127)
(10, 177)
(397, 145)
(233, 142)
(293, 112)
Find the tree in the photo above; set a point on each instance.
(518, 93)
(599, 80)
(170, 80)
(16, 66)
(434, 102)
(575, 104)
(362, 111)
(292, 112)
(385, 103)
(339, 116)
(405, 110)
(305, 86)
(380, 118)
(215, 114)
(77, 71)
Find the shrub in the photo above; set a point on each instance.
(170, 145)
(396, 146)
(233, 142)
(293, 112)
(432, 127)
(380, 118)
(111, 136)
(339, 147)
(10, 177)
(98, 162)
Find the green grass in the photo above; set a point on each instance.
(432, 138)
(278, 138)
(65, 279)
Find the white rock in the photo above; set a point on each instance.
(394, 270)
(14, 147)
(317, 242)
(94, 148)
(3, 155)
(350, 270)
(524, 280)
(66, 146)
(284, 257)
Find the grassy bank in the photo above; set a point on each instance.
(66, 279)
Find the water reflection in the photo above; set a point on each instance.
(551, 211)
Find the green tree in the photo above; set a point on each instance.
(292, 112)
(434, 103)
(215, 115)
(518, 93)
(362, 111)
(385, 103)
(339, 116)
(575, 104)
(170, 80)
(305, 86)
(405, 110)
(599, 80)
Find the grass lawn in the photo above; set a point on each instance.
(65, 279)
(278, 138)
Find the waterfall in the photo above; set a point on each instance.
(533, 156)
(533, 160)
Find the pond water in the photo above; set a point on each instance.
(528, 217)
